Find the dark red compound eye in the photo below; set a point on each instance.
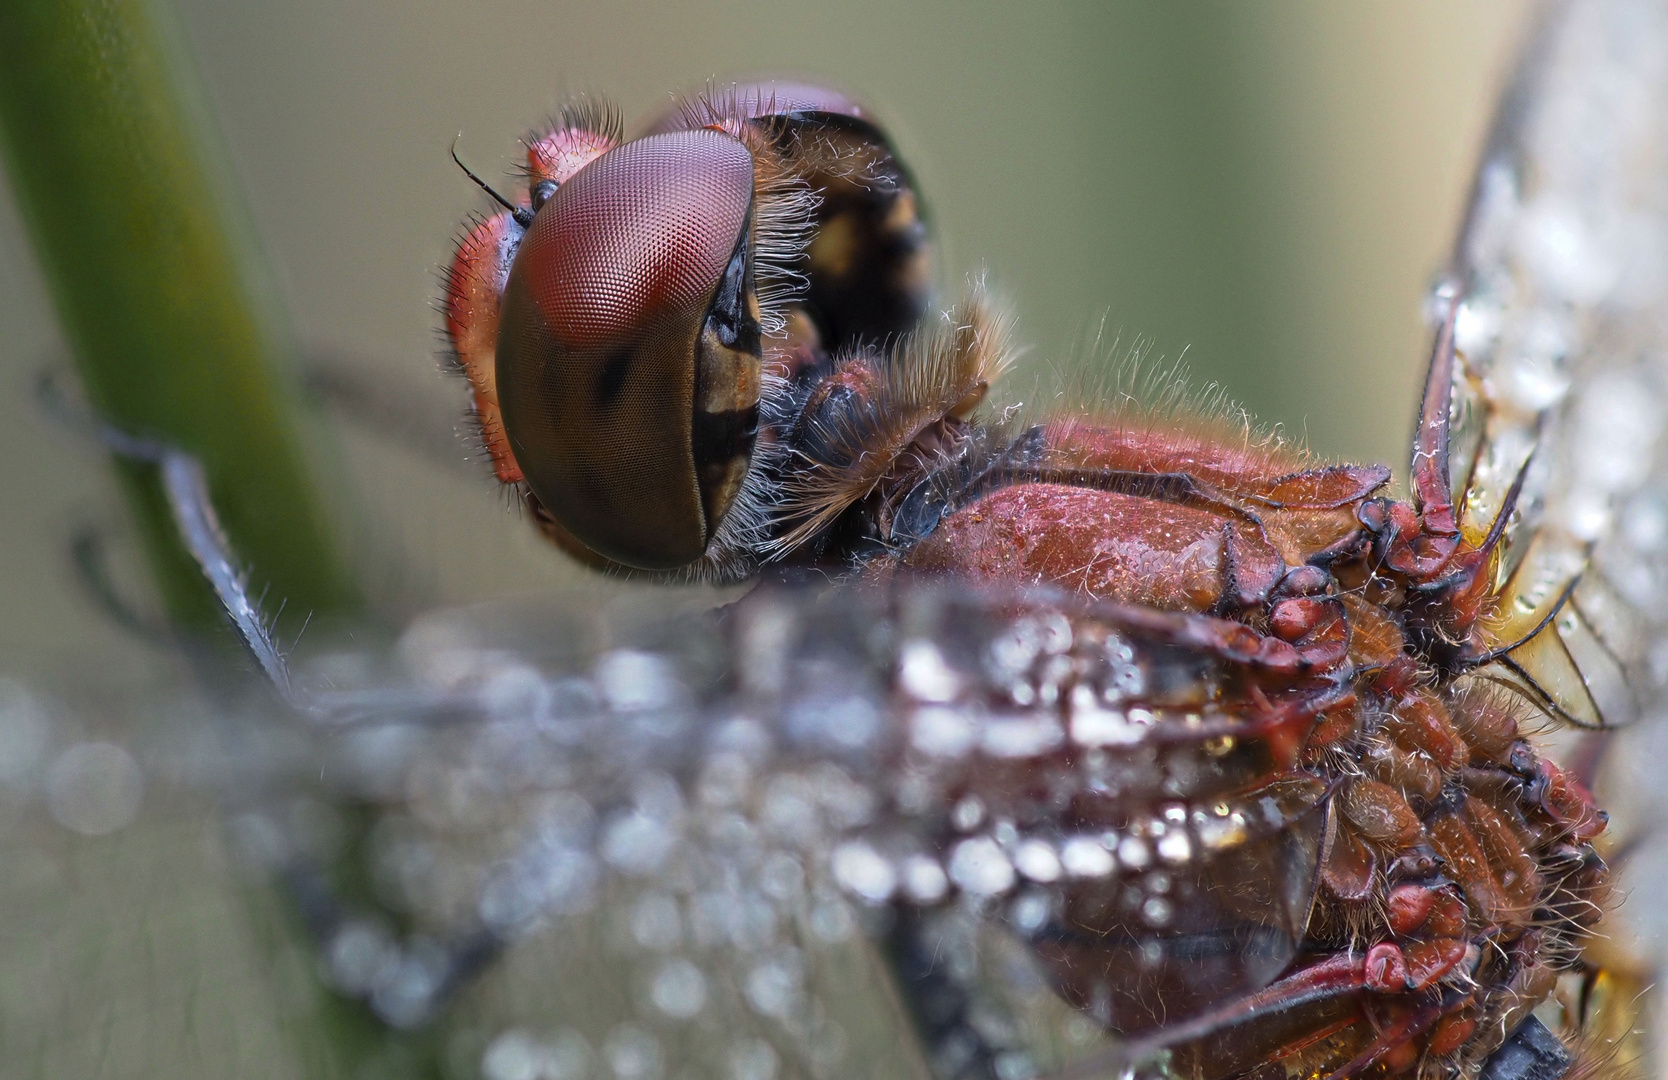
(628, 350)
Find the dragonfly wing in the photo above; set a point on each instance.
(1562, 265)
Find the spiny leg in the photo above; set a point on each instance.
(424, 975)
(185, 486)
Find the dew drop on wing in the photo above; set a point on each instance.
(745, 852)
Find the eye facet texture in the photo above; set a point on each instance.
(602, 317)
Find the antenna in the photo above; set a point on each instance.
(522, 215)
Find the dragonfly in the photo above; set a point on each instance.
(1113, 744)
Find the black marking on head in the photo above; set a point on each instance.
(731, 317)
(612, 378)
(879, 298)
(720, 436)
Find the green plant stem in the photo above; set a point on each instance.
(160, 298)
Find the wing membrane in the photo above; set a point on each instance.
(1563, 266)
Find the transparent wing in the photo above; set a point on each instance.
(1563, 330)
(1563, 267)
(821, 835)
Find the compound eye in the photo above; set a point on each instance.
(628, 347)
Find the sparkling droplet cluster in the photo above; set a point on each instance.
(703, 856)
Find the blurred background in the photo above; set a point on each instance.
(1263, 190)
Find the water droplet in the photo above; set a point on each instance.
(845, 802)
(1645, 524)
(1010, 654)
(1086, 857)
(405, 991)
(656, 922)
(980, 867)
(514, 1055)
(848, 722)
(1056, 636)
(773, 988)
(863, 871)
(1030, 911)
(637, 844)
(633, 681)
(1476, 327)
(1094, 726)
(1222, 831)
(356, 954)
(549, 880)
(923, 674)
(1021, 736)
(569, 1057)
(1125, 681)
(515, 691)
(94, 788)
(679, 989)
(942, 732)
(789, 808)
(831, 920)
(565, 819)
(924, 880)
(782, 877)
(1036, 860)
(633, 1053)
(1014, 1065)
(1134, 853)
(1568, 259)
(1174, 847)
(753, 1059)
(724, 781)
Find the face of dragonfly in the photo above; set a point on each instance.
(1128, 748)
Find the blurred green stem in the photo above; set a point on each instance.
(159, 295)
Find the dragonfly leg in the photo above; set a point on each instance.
(426, 974)
(185, 486)
(92, 573)
(940, 1005)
